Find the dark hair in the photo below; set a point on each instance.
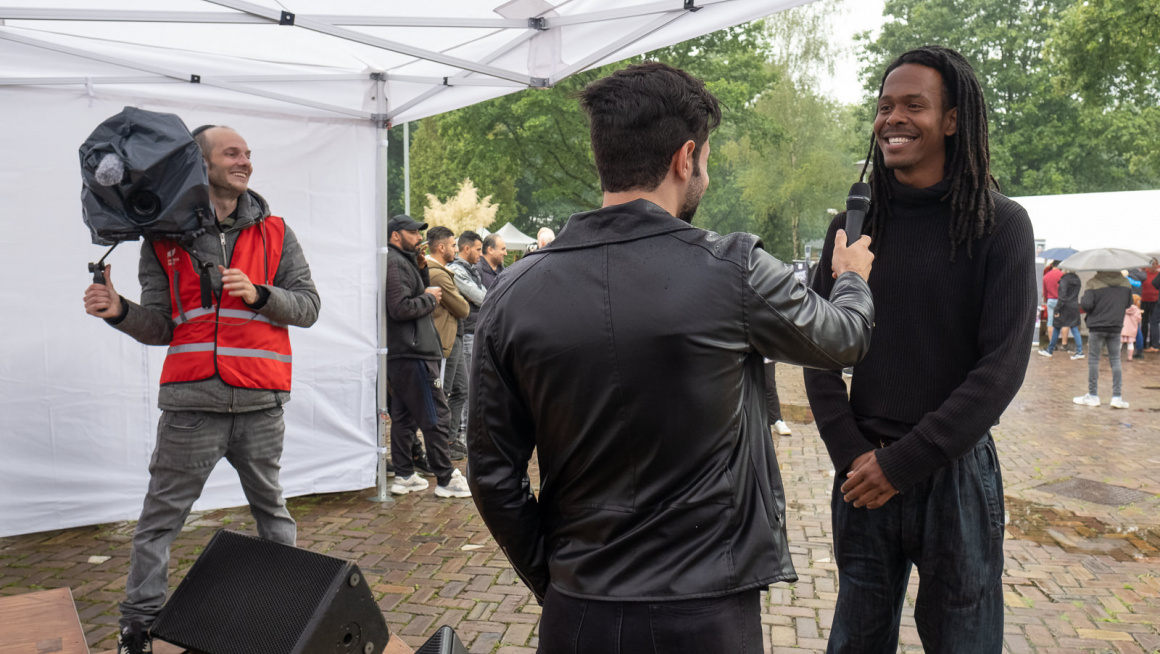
(438, 234)
(968, 159)
(489, 242)
(467, 238)
(640, 116)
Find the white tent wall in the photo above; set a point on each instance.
(1125, 219)
(78, 398)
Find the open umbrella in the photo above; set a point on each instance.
(1105, 259)
(1057, 253)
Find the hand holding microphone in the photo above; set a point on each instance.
(856, 257)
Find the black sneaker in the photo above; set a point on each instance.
(134, 640)
(421, 466)
(457, 452)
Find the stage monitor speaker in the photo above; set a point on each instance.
(246, 595)
(444, 641)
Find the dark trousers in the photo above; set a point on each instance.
(717, 625)
(1150, 324)
(772, 403)
(415, 403)
(951, 527)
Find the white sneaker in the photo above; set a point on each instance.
(404, 485)
(1076, 356)
(1118, 403)
(1044, 353)
(782, 428)
(457, 487)
(1087, 400)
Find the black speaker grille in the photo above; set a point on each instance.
(247, 595)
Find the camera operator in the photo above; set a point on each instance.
(227, 372)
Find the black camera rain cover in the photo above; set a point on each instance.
(164, 191)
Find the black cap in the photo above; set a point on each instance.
(404, 222)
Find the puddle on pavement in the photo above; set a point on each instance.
(1079, 534)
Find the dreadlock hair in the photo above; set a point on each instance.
(968, 158)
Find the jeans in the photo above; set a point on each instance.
(415, 403)
(455, 386)
(468, 349)
(716, 625)
(950, 526)
(189, 445)
(1075, 336)
(1051, 304)
(1111, 342)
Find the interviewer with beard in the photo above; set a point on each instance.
(638, 381)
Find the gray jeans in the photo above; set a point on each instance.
(455, 387)
(460, 392)
(189, 445)
(1096, 342)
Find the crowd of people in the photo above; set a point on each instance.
(1120, 314)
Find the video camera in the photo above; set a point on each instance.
(143, 176)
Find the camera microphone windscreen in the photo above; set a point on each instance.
(857, 205)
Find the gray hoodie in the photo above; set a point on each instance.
(291, 300)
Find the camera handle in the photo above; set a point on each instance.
(98, 268)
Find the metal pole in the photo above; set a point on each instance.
(407, 168)
(382, 214)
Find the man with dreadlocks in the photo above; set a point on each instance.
(918, 478)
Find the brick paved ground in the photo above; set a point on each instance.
(1080, 576)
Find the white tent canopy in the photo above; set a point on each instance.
(514, 239)
(310, 84)
(392, 61)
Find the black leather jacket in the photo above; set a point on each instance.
(629, 355)
(410, 328)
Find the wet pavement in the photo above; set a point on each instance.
(1081, 574)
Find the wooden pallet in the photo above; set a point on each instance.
(43, 622)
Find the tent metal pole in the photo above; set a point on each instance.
(382, 215)
(407, 168)
(618, 45)
(275, 16)
(167, 72)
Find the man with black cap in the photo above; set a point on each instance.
(413, 356)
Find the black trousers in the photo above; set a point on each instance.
(415, 403)
(772, 403)
(718, 625)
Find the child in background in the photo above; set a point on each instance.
(1131, 325)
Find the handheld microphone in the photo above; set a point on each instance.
(857, 204)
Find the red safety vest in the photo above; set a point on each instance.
(228, 339)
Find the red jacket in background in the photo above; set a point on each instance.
(1148, 292)
(1051, 284)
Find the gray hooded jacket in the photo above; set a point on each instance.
(291, 300)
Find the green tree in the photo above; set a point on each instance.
(1042, 140)
(531, 152)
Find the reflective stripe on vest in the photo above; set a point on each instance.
(244, 348)
(229, 351)
(224, 313)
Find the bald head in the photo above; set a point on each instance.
(206, 135)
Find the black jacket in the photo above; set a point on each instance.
(410, 328)
(1107, 297)
(1067, 309)
(629, 356)
(487, 273)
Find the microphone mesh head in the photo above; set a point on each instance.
(110, 171)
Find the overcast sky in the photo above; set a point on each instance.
(859, 15)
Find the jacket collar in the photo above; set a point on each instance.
(251, 208)
(616, 224)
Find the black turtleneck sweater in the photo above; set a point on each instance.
(950, 343)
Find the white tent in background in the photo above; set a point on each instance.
(1125, 219)
(514, 239)
(312, 85)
